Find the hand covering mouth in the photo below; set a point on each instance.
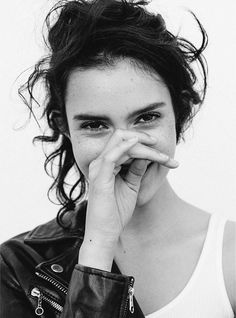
(125, 168)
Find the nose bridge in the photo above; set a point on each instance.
(120, 115)
(121, 127)
(121, 122)
(129, 127)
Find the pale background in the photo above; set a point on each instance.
(207, 173)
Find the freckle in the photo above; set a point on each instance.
(124, 251)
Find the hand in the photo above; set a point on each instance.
(111, 198)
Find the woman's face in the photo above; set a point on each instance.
(116, 92)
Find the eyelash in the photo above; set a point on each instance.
(86, 124)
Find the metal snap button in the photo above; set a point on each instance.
(57, 268)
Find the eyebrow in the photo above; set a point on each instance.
(130, 115)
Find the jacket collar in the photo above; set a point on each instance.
(52, 232)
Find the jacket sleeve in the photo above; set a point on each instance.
(13, 301)
(94, 293)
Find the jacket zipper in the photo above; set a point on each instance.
(35, 292)
(53, 282)
(130, 298)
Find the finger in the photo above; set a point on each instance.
(123, 135)
(144, 152)
(135, 173)
(101, 170)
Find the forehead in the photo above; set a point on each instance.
(121, 85)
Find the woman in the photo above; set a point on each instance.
(120, 92)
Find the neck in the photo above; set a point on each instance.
(156, 219)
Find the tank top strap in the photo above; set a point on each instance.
(214, 253)
(220, 230)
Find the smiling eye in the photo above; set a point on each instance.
(150, 115)
(93, 125)
(99, 125)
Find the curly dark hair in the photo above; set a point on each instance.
(89, 34)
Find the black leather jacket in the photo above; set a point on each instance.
(40, 276)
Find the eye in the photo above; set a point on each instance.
(99, 125)
(155, 116)
(93, 125)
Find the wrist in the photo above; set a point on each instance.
(97, 254)
(104, 243)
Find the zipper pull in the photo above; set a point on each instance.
(131, 297)
(36, 293)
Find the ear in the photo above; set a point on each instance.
(67, 134)
(58, 122)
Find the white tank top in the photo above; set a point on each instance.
(205, 295)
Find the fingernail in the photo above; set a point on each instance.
(174, 162)
(164, 156)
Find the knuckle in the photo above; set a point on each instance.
(137, 170)
(106, 159)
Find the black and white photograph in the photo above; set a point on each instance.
(118, 159)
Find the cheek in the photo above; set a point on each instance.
(171, 144)
(166, 139)
(85, 151)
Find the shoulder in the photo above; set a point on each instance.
(229, 261)
(13, 253)
(45, 241)
(12, 244)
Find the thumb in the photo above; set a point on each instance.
(136, 171)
